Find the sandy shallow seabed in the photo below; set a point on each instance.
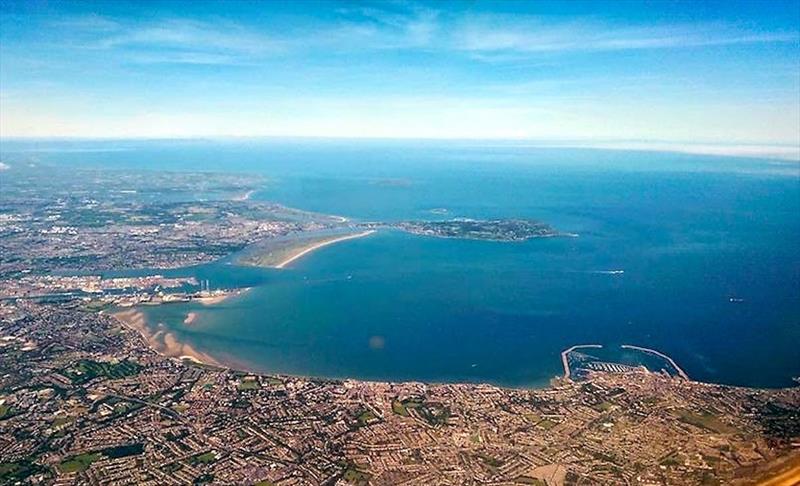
(162, 341)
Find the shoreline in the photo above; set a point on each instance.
(244, 197)
(165, 343)
(301, 252)
(219, 296)
(161, 341)
(680, 371)
(565, 356)
(568, 372)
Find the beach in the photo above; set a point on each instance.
(218, 296)
(161, 340)
(302, 251)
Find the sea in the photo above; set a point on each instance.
(695, 256)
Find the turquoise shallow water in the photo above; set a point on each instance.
(689, 232)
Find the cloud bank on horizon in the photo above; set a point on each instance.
(711, 73)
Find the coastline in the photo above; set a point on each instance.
(161, 341)
(301, 252)
(244, 197)
(565, 356)
(166, 343)
(219, 296)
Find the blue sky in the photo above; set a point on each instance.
(697, 72)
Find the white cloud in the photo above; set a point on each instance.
(198, 36)
(778, 152)
(501, 34)
(171, 40)
(88, 23)
(484, 37)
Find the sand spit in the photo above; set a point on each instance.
(301, 252)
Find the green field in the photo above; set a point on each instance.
(79, 463)
(206, 458)
(355, 476)
(249, 384)
(546, 424)
(490, 461)
(12, 472)
(433, 413)
(531, 481)
(86, 370)
(401, 407)
(603, 406)
(5, 411)
(59, 421)
(705, 420)
(365, 417)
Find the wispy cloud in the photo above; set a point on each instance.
(528, 35)
(87, 23)
(171, 40)
(407, 26)
(485, 37)
(355, 69)
(197, 36)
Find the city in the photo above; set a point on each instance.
(83, 399)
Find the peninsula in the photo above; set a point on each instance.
(492, 230)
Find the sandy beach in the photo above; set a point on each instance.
(161, 340)
(301, 252)
(219, 296)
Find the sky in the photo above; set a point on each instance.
(618, 72)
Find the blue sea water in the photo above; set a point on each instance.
(690, 233)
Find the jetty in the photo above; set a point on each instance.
(661, 355)
(565, 354)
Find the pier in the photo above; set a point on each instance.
(661, 355)
(565, 354)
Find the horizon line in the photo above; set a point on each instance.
(786, 151)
